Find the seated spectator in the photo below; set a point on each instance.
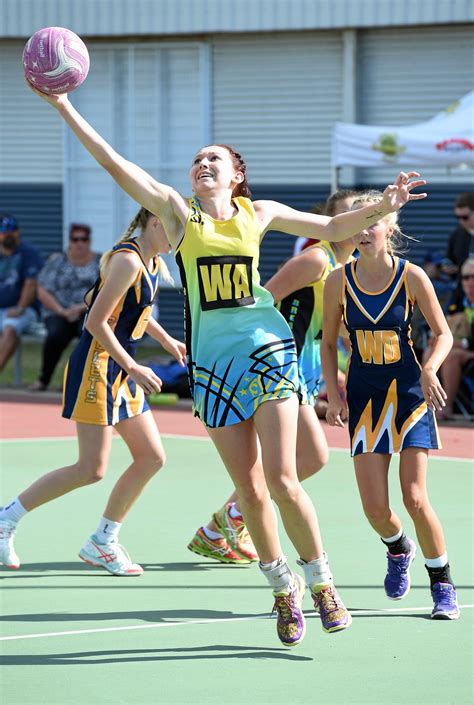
(461, 322)
(62, 285)
(439, 271)
(20, 264)
(461, 240)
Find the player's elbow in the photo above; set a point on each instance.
(92, 326)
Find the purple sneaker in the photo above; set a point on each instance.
(397, 581)
(445, 601)
(291, 626)
(334, 616)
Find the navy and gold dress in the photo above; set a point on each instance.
(387, 410)
(96, 389)
(241, 352)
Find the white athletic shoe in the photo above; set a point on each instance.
(8, 556)
(111, 556)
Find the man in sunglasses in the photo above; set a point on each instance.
(458, 366)
(20, 264)
(461, 241)
(62, 285)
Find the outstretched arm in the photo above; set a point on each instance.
(300, 271)
(160, 199)
(276, 216)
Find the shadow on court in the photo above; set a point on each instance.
(89, 658)
(153, 616)
(81, 567)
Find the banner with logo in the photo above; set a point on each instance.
(445, 140)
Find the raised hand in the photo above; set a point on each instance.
(396, 195)
(52, 99)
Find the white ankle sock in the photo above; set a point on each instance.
(316, 571)
(108, 530)
(212, 534)
(395, 537)
(234, 512)
(13, 511)
(439, 562)
(278, 573)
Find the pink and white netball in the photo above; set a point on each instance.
(55, 60)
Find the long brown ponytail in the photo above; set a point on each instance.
(241, 189)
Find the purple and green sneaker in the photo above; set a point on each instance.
(334, 616)
(397, 581)
(445, 601)
(291, 625)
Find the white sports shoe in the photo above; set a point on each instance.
(8, 556)
(111, 556)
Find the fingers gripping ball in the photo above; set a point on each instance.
(55, 60)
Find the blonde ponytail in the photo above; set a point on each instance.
(141, 219)
(164, 272)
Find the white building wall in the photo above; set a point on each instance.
(406, 76)
(31, 149)
(146, 100)
(276, 98)
(107, 18)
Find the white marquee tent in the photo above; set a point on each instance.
(445, 140)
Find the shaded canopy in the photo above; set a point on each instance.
(445, 140)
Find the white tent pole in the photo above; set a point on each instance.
(334, 178)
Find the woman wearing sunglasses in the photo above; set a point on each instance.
(62, 285)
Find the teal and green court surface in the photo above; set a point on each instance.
(194, 632)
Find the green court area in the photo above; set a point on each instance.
(194, 632)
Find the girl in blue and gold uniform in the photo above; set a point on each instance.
(242, 358)
(104, 388)
(391, 400)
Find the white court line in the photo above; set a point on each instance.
(185, 437)
(202, 621)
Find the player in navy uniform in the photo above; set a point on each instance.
(104, 387)
(391, 400)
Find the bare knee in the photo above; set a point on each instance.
(284, 490)
(252, 494)
(156, 460)
(308, 466)
(151, 462)
(415, 502)
(90, 472)
(377, 513)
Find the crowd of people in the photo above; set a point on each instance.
(255, 386)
